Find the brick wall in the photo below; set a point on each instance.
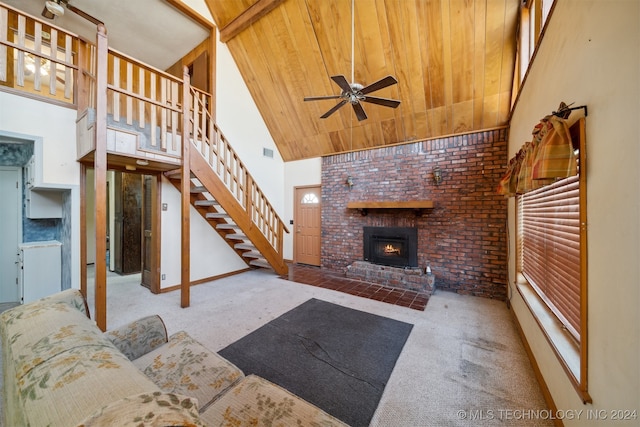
(463, 238)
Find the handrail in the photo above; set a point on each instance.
(226, 163)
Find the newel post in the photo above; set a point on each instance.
(185, 189)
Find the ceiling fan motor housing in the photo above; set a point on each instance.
(354, 96)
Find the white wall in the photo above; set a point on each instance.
(297, 174)
(55, 128)
(590, 55)
(242, 125)
(210, 254)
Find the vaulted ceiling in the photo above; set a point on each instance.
(453, 60)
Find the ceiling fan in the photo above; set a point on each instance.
(355, 93)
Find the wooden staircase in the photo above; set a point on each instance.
(225, 194)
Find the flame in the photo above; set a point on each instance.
(390, 249)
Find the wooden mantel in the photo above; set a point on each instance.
(411, 204)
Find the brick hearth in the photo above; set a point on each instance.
(414, 279)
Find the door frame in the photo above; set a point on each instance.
(296, 219)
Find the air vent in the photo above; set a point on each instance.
(267, 152)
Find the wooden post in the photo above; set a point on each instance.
(100, 178)
(83, 226)
(185, 278)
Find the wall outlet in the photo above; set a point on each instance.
(163, 276)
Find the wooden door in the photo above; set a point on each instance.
(128, 223)
(199, 72)
(150, 216)
(307, 225)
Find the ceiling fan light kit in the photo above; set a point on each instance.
(53, 8)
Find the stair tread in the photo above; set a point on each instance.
(227, 226)
(199, 189)
(252, 254)
(246, 246)
(222, 215)
(207, 203)
(235, 236)
(260, 263)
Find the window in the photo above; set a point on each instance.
(552, 260)
(310, 198)
(533, 16)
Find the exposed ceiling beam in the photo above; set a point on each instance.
(246, 18)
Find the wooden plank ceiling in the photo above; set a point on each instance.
(453, 59)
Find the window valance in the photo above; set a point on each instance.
(549, 156)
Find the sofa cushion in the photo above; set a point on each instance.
(147, 409)
(184, 366)
(256, 401)
(139, 337)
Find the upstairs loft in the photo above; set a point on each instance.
(145, 111)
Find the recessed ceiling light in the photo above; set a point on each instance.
(142, 162)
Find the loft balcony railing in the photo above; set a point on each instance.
(37, 59)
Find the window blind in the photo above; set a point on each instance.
(549, 220)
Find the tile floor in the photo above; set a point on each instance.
(324, 278)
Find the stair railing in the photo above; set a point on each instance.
(37, 58)
(225, 162)
(144, 97)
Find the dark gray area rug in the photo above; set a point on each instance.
(335, 357)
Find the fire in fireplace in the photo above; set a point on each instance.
(392, 246)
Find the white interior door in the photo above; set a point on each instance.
(10, 230)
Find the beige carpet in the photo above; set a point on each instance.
(462, 365)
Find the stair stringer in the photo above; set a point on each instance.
(202, 171)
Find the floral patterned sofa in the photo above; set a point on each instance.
(61, 370)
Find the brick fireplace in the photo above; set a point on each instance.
(462, 238)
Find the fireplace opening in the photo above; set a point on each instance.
(392, 246)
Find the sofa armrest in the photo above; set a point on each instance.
(139, 337)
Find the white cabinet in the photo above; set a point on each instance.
(43, 203)
(41, 269)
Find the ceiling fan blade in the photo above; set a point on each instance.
(317, 98)
(334, 109)
(381, 101)
(380, 84)
(360, 114)
(342, 82)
